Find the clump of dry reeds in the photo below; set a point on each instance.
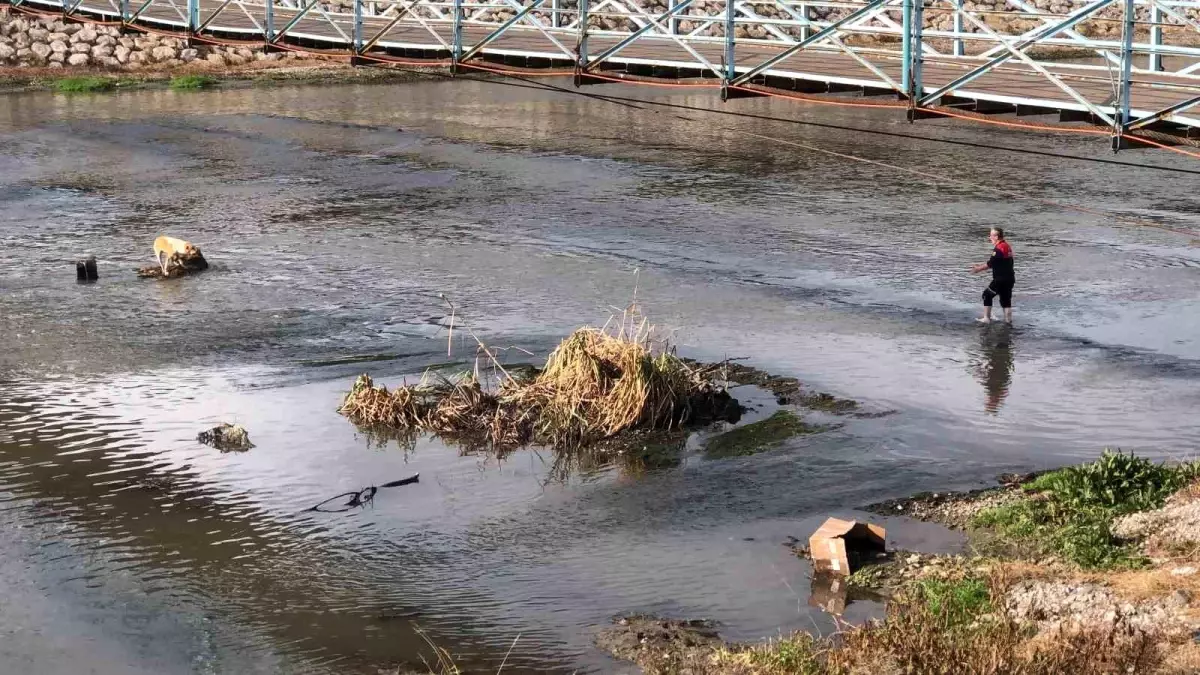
(597, 383)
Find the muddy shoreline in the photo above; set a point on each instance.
(1021, 602)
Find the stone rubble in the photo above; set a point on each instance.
(28, 41)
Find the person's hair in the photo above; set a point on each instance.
(999, 233)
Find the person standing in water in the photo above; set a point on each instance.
(1003, 277)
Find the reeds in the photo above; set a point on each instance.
(599, 382)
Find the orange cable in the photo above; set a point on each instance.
(503, 71)
(818, 100)
(684, 85)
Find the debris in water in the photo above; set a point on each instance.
(358, 498)
(85, 269)
(226, 438)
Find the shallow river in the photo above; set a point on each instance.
(337, 218)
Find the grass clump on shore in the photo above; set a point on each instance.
(1069, 512)
(191, 82)
(76, 85)
(596, 384)
(933, 628)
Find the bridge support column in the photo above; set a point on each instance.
(358, 31)
(916, 53)
(1121, 118)
(456, 48)
(906, 47)
(269, 22)
(1156, 38)
(730, 55)
(959, 48)
(581, 45)
(193, 19)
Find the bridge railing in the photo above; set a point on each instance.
(1097, 57)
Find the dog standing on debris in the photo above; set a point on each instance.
(166, 248)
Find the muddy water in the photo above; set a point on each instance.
(335, 219)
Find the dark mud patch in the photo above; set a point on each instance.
(759, 436)
(789, 391)
(646, 639)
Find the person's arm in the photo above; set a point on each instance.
(979, 267)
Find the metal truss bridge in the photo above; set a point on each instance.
(1130, 68)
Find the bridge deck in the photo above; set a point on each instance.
(1012, 83)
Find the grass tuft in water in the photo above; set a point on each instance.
(598, 383)
(74, 85)
(759, 436)
(191, 82)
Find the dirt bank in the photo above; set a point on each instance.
(1091, 568)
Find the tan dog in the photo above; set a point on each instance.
(166, 248)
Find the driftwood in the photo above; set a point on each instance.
(85, 270)
(178, 265)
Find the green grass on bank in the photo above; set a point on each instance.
(190, 82)
(77, 85)
(1069, 512)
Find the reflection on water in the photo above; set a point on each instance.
(993, 364)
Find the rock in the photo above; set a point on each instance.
(58, 47)
(38, 34)
(54, 64)
(58, 37)
(74, 29)
(1186, 571)
(138, 57)
(23, 40)
(106, 40)
(81, 48)
(42, 50)
(245, 53)
(235, 60)
(121, 53)
(144, 43)
(108, 62)
(127, 43)
(25, 53)
(58, 57)
(164, 53)
(101, 51)
(78, 60)
(1179, 598)
(7, 52)
(215, 59)
(189, 55)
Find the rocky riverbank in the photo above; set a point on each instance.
(28, 41)
(1091, 568)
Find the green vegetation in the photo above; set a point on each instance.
(957, 603)
(1069, 512)
(186, 82)
(75, 85)
(933, 628)
(759, 436)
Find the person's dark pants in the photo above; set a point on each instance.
(1003, 289)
